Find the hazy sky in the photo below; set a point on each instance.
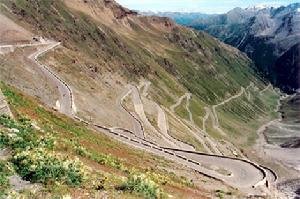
(206, 6)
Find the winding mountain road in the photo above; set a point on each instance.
(187, 106)
(241, 174)
(205, 118)
(214, 107)
(179, 101)
(161, 118)
(238, 173)
(65, 93)
(265, 89)
(202, 136)
(65, 104)
(137, 125)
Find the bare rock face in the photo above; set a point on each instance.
(268, 35)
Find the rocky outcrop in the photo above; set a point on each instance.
(119, 11)
(4, 108)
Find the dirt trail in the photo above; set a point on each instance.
(164, 129)
(265, 89)
(216, 123)
(206, 141)
(179, 101)
(209, 146)
(202, 136)
(146, 86)
(205, 118)
(238, 168)
(247, 92)
(215, 120)
(255, 177)
(188, 98)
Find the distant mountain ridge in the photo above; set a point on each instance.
(183, 18)
(264, 34)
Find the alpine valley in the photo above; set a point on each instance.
(100, 101)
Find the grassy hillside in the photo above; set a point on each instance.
(241, 117)
(106, 46)
(200, 63)
(46, 141)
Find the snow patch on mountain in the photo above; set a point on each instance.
(257, 7)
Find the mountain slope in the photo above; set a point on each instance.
(264, 34)
(122, 72)
(104, 163)
(125, 49)
(287, 67)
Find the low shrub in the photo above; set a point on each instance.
(5, 171)
(220, 193)
(156, 177)
(21, 135)
(144, 186)
(108, 160)
(40, 165)
(32, 159)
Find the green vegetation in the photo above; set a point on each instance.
(181, 60)
(32, 159)
(181, 110)
(182, 133)
(64, 155)
(40, 165)
(101, 158)
(144, 186)
(241, 117)
(197, 110)
(22, 136)
(176, 60)
(6, 170)
(215, 72)
(222, 194)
